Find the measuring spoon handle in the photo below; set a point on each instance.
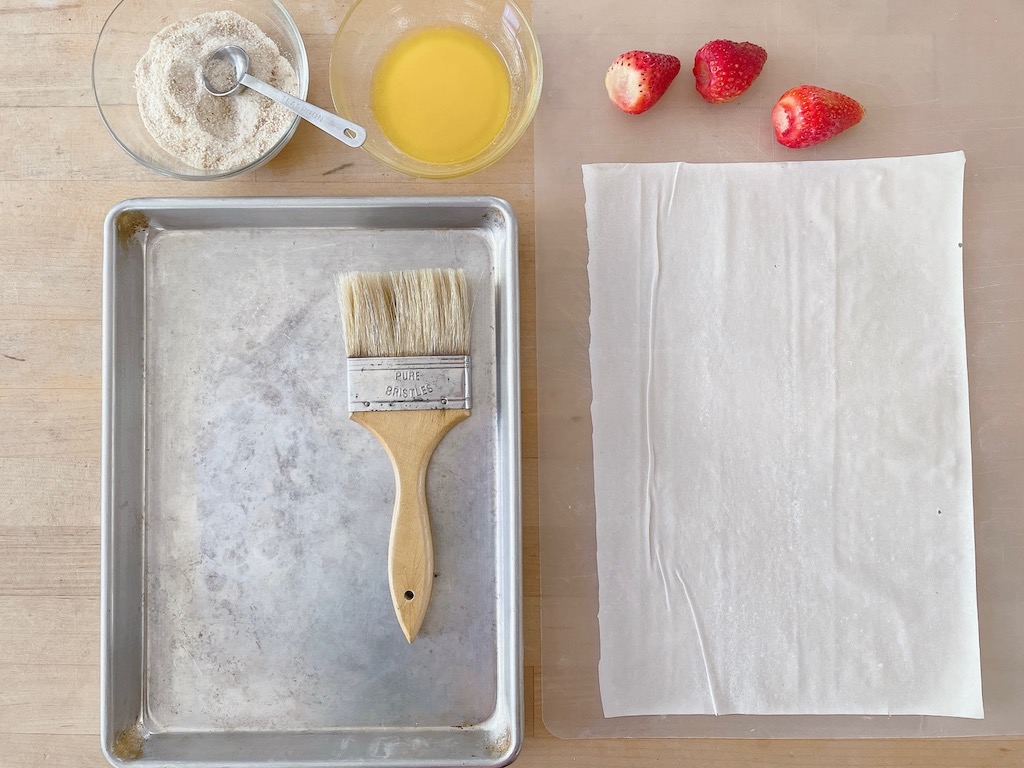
(338, 127)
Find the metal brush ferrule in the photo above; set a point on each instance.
(408, 383)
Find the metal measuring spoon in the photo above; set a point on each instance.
(338, 127)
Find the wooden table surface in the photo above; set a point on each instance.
(60, 172)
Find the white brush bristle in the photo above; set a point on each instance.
(407, 313)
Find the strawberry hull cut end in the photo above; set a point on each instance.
(783, 122)
(702, 75)
(636, 80)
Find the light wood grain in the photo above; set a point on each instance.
(29, 750)
(68, 706)
(60, 172)
(49, 561)
(409, 438)
(64, 491)
(50, 423)
(51, 631)
(42, 354)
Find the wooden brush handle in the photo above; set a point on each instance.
(409, 437)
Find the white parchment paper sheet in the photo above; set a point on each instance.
(781, 438)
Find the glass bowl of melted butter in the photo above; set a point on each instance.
(443, 88)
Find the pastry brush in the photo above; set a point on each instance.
(407, 339)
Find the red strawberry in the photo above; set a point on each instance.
(724, 69)
(808, 115)
(637, 79)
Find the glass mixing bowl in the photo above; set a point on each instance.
(125, 38)
(373, 26)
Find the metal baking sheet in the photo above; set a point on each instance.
(246, 617)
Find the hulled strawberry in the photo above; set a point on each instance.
(637, 79)
(724, 69)
(808, 115)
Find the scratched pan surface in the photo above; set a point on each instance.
(246, 614)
